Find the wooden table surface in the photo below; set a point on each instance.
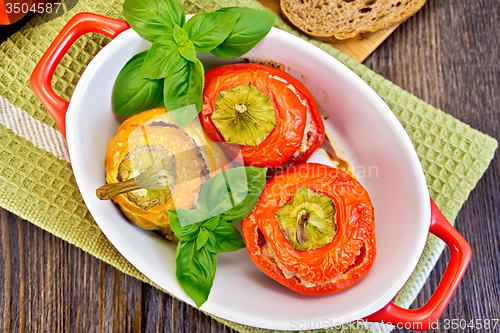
(447, 54)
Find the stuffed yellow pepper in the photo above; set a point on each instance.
(152, 165)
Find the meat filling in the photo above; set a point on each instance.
(268, 251)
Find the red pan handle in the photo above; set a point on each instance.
(41, 77)
(426, 317)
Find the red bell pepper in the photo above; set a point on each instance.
(327, 269)
(293, 104)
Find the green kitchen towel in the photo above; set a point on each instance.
(37, 183)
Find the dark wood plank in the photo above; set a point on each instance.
(447, 54)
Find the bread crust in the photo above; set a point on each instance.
(311, 16)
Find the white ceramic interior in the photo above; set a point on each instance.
(361, 124)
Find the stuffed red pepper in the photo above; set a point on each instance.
(312, 230)
(267, 113)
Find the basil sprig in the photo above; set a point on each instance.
(203, 233)
(229, 32)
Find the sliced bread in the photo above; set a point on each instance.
(338, 20)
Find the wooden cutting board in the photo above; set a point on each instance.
(358, 49)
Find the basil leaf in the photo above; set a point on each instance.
(183, 90)
(188, 52)
(251, 27)
(233, 193)
(216, 195)
(195, 270)
(180, 36)
(163, 59)
(224, 238)
(133, 94)
(211, 223)
(207, 30)
(202, 238)
(152, 19)
(186, 223)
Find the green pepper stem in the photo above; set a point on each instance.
(147, 179)
(109, 191)
(302, 220)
